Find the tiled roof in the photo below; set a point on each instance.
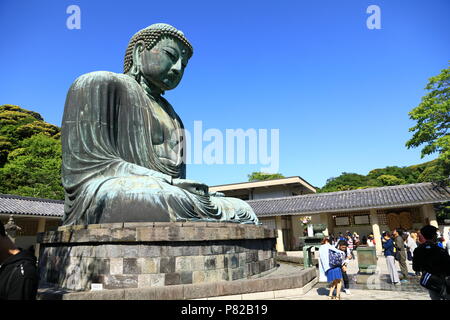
(353, 200)
(11, 204)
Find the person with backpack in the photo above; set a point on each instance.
(434, 263)
(331, 260)
(18, 273)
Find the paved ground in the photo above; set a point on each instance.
(376, 287)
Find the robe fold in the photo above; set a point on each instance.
(114, 168)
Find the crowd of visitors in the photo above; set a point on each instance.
(425, 248)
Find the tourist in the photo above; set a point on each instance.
(323, 250)
(364, 242)
(401, 254)
(388, 246)
(350, 245)
(343, 246)
(370, 240)
(430, 258)
(420, 238)
(18, 274)
(331, 261)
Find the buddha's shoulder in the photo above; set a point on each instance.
(103, 77)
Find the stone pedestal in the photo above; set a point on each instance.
(142, 255)
(367, 260)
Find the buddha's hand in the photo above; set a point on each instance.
(191, 186)
(216, 194)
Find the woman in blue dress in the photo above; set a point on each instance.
(332, 263)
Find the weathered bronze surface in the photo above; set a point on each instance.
(123, 146)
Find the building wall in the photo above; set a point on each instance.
(263, 194)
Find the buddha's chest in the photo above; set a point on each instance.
(163, 126)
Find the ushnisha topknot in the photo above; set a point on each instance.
(151, 35)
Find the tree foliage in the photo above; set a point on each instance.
(389, 176)
(30, 154)
(433, 120)
(260, 176)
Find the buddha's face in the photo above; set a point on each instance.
(164, 64)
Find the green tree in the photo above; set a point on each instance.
(33, 169)
(260, 176)
(433, 120)
(347, 181)
(390, 180)
(17, 124)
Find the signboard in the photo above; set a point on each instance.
(342, 221)
(362, 219)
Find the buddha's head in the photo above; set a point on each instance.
(159, 54)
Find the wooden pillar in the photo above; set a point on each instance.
(376, 231)
(279, 223)
(429, 215)
(324, 219)
(297, 230)
(40, 228)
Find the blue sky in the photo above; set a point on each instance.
(338, 92)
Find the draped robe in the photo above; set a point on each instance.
(113, 167)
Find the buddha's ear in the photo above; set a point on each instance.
(139, 47)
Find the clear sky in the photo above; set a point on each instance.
(338, 92)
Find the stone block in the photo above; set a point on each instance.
(237, 273)
(81, 235)
(172, 249)
(120, 281)
(210, 263)
(130, 251)
(173, 233)
(203, 290)
(123, 234)
(140, 294)
(134, 225)
(131, 266)
(90, 226)
(118, 294)
(220, 261)
(190, 250)
(198, 263)
(172, 279)
(213, 275)
(148, 250)
(232, 288)
(101, 266)
(149, 265)
(198, 277)
(114, 250)
(183, 264)
(186, 277)
(187, 234)
(116, 266)
(167, 265)
(150, 280)
(145, 234)
(99, 235)
(100, 251)
(233, 261)
(170, 293)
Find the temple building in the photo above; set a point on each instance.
(365, 211)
